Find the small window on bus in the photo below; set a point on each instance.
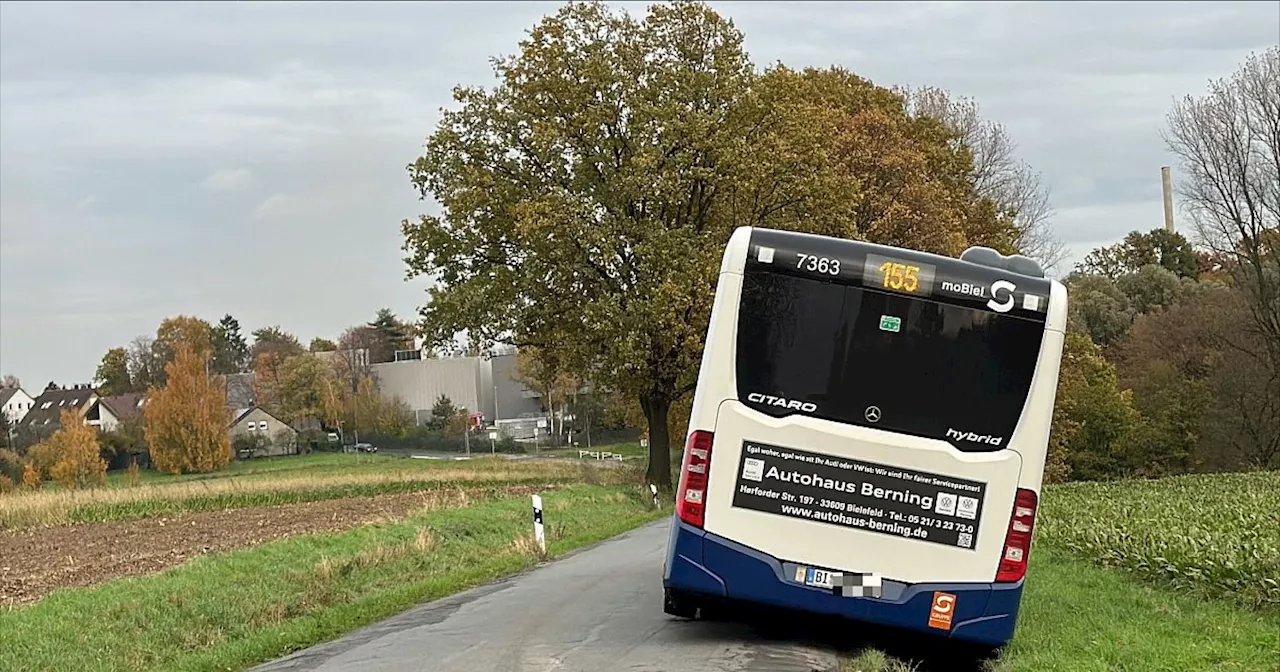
(928, 368)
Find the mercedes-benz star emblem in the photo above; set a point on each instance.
(873, 414)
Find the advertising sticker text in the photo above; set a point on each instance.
(850, 493)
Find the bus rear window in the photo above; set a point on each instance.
(881, 360)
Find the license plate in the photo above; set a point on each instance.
(818, 577)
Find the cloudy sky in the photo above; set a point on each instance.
(166, 158)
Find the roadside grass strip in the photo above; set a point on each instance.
(1078, 617)
(1081, 618)
(234, 610)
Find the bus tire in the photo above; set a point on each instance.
(678, 604)
(713, 611)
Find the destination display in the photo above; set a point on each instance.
(899, 275)
(902, 272)
(850, 493)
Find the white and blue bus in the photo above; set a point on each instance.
(868, 435)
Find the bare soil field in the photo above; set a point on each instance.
(36, 561)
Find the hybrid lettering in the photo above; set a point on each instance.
(974, 438)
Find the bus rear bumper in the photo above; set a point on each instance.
(703, 564)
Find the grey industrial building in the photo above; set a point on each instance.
(479, 384)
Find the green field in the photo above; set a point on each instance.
(1213, 536)
(1172, 575)
(284, 480)
(231, 610)
(1175, 575)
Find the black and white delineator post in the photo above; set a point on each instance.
(654, 489)
(537, 525)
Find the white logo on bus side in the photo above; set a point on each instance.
(1007, 304)
(757, 398)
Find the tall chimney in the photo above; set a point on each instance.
(1166, 183)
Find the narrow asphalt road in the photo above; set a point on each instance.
(599, 610)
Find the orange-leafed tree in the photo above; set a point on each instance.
(186, 420)
(78, 458)
(196, 333)
(31, 478)
(71, 456)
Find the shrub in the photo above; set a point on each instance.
(10, 465)
(6, 484)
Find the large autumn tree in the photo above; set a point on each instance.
(186, 420)
(586, 198)
(194, 332)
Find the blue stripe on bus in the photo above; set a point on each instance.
(707, 564)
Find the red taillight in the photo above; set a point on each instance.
(691, 496)
(1017, 541)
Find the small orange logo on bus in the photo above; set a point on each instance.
(944, 605)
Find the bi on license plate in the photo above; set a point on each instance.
(820, 578)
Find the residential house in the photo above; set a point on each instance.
(45, 415)
(274, 435)
(14, 404)
(108, 412)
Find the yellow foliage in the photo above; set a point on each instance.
(31, 476)
(6, 484)
(77, 454)
(72, 456)
(188, 330)
(186, 421)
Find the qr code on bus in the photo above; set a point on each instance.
(965, 540)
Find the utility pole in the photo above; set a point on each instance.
(1166, 184)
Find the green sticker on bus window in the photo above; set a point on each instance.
(890, 323)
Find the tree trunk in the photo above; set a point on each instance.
(656, 409)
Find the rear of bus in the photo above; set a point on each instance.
(868, 435)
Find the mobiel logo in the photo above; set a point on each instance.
(757, 398)
(966, 288)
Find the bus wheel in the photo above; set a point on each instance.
(678, 604)
(713, 611)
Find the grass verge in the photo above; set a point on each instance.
(233, 610)
(303, 480)
(1076, 616)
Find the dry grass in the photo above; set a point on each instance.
(327, 569)
(56, 506)
(525, 544)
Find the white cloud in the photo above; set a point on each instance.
(249, 157)
(228, 179)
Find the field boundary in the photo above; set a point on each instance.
(446, 605)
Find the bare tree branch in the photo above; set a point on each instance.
(998, 174)
(1228, 146)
